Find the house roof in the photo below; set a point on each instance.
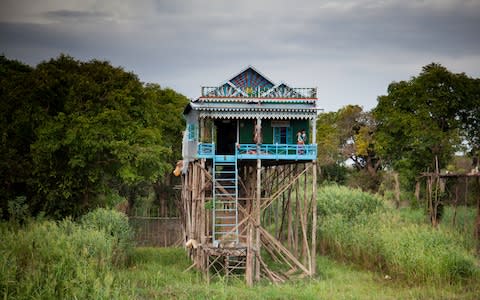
(242, 110)
(249, 94)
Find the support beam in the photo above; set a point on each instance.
(257, 216)
(313, 266)
(283, 189)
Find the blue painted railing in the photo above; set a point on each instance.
(277, 151)
(205, 150)
(265, 151)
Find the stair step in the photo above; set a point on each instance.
(224, 158)
(225, 193)
(236, 267)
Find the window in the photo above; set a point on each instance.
(192, 132)
(282, 135)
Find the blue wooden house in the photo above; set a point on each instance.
(240, 137)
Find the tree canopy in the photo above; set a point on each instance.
(348, 135)
(76, 135)
(427, 118)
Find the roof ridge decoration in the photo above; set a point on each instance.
(251, 83)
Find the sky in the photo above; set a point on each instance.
(351, 50)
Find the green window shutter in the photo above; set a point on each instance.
(282, 135)
(276, 135)
(289, 135)
(192, 132)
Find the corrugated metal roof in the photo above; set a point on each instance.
(256, 114)
(252, 106)
(241, 110)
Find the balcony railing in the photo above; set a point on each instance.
(265, 151)
(205, 150)
(277, 151)
(276, 92)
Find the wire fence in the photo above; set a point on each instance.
(154, 230)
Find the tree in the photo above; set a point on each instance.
(470, 117)
(349, 134)
(420, 120)
(86, 132)
(17, 121)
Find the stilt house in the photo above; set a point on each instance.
(248, 182)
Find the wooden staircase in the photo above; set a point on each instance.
(225, 201)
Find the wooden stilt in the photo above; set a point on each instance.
(313, 266)
(477, 219)
(257, 217)
(256, 213)
(249, 259)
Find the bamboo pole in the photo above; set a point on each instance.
(202, 215)
(194, 201)
(313, 267)
(305, 216)
(283, 189)
(289, 219)
(477, 220)
(297, 221)
(284, 250)
(257, 216)
(249, 259)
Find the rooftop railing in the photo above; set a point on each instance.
(276, 92)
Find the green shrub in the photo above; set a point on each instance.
(349, 203)
(114, 224)
(333, 173)
(18, 209)
(50, 260)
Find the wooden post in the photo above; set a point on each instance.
(289, 220)
(194, 200)
(202, 230)
(477, 220)
(306, 256)
(397, 190)
(313, 267)
(249, 259)
(297, 220)
(257, 217)
(417, 190)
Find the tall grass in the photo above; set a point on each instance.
(357, 227)
(458, 221)
(59, 260)
(115, 225)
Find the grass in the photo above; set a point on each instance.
(63, 260)
(373, 253)
(459, 221)
(157, 273)
(357, 227)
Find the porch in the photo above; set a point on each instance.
(264, 151)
